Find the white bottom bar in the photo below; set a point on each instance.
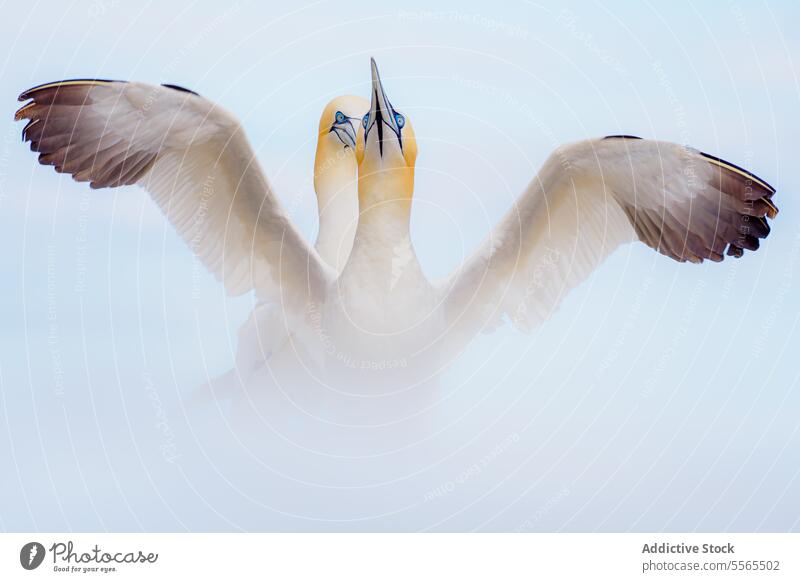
(417, 557)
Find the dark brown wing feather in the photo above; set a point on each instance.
(729, 217)
(70, 133)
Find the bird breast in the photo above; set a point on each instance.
(382, 307)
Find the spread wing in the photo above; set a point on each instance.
(194, 160)
(589, 198)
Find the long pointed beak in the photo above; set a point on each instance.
(346, 133)
(380, 111)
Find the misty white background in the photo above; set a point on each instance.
(660, 397)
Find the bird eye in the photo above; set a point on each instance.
(340, 117)
(364, 120)
(401, 121)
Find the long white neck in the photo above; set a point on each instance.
(385, 307)
(382, 250)
(337, 200)
(338, 217)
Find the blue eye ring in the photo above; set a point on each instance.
(364, 120)
(340, 117)
(400, 120)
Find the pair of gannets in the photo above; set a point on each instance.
(376, 309)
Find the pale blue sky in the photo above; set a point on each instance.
(661, 396)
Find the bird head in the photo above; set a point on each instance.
(334, 163)
(339, 121)
(386, 149)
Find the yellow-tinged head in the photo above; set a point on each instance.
(334, 163)
(386, 149)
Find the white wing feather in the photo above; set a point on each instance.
(195, 161)
(588, 199)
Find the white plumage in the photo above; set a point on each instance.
(374, 303)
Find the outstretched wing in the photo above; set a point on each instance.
(194, 160)
(589, 198)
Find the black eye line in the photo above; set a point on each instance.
(379, 120)
(346, 120)
(399, 133)
(335, 130)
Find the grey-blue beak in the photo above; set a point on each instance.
(345, 132)
(381, 111)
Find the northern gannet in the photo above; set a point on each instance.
(335, 186)
(193, 158)
(588, 199)
(381, 311)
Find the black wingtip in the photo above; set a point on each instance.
(735, 252)
(622, 136)
(25, 129)
(21, 112)
(179, 88)
(25, 95)
(740, 170)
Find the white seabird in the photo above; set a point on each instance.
(588, 199)
(335, 186)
